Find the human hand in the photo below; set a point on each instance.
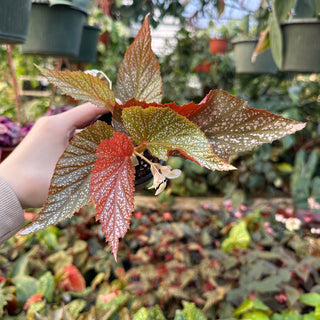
(29, 168)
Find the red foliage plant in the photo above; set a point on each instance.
(74, 280)
(98, 165)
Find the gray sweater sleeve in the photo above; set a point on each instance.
(11, 212)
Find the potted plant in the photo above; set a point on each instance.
(294, 38)
(14, 20)
(99, 162)
(246, 61)
(219, 43)
(55, 27)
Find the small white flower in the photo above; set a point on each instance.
(160, 176)
(293, 224)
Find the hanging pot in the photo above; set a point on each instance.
(88, 47)
(243, 50)
(218, 45)
(54, 31)
(301, 45)
(14, 20)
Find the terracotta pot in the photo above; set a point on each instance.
(218, 45)
(204, 67)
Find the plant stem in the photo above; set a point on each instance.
(143, 157)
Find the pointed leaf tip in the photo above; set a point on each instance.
(112, 187)
(139, 73)
(81, 86)
(232, 126)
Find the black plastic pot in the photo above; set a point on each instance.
(54, 31)
(88, 47)
(14, 20)
(301, 45)
(243, 50)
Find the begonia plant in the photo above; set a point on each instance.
(99, 164)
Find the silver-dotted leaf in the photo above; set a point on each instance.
(162, 130)
(69, 189)
(139, 73)
(231, 126)
(81, 86)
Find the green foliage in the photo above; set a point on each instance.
(238, 237)
(178, 264)
(304, 184)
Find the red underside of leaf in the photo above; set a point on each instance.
(112, 187)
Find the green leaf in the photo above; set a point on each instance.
(156, 314)
(81, 86)
(231, 126)
(26, 286)
(162, 130)
(239, 237)
(112, 187)
(283, 8)
(139, 73)
(180, 315)
(46, 286)
(255, 315)
(192, 312)
(310, 299)
(141, 314)
(276, 40)
(244, 307)
(76, 306)
(69, 190)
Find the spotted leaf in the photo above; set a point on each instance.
(162, 130)
(69, 189)
(231, 126)
(112, 187)
(139, 73)
(81, 86)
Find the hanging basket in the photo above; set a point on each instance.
(14, 19)
(218, 45)
(301, 45)
(54, 31)
(88, 47)
(243, 50)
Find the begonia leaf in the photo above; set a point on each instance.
(112, 187)
(81, 86)
(231, 126)
(162, 130)
(69, 189)
(139, 73)
(186, 110)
